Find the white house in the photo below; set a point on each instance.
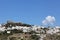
(53, 31)
(2, 29)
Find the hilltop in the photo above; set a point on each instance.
(23, 31)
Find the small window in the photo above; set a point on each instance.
(25, 36)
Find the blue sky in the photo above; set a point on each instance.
(29, 11)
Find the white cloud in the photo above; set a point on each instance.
(49, 20)
(44, 22)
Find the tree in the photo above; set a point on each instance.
(34, 37)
